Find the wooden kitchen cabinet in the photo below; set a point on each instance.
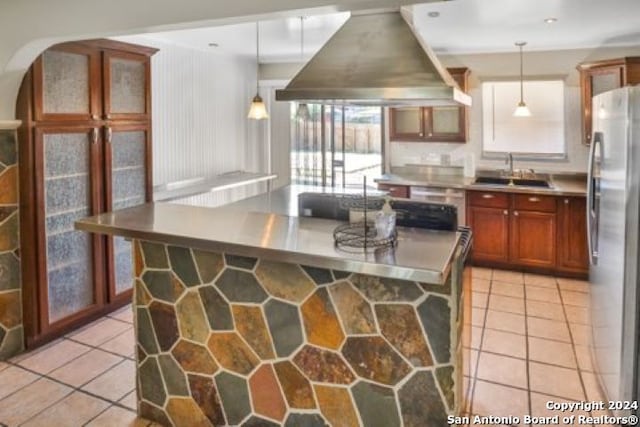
(573, 251)
(399, 191)
(432, 124)
(543, 233)
(85, 148)
(490, 227)
(601, 76)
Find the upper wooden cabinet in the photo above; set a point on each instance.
(432, 124)
(92, 80)
(602, 76)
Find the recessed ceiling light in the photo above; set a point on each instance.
(550, 20)
(433, 14)
(214, 45)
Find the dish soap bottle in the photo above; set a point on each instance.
(385, 220)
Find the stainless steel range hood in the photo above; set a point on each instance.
(375, 59)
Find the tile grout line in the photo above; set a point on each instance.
(526, 343)
(475, 371)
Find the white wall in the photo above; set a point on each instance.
(200, 101)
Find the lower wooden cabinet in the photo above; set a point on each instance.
(533, 238)
(535, 232)
(491, 241)
(573, 251)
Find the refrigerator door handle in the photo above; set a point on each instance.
(591, 189)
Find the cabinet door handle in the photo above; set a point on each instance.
(420, 134)
(566, 201)
(534, 199)
(95, 117)
(488, 196)
(94, 135)
(505, 212)
(516, 213)
(109, 135)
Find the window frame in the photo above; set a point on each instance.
(527, 156)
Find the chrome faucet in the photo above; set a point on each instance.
(509, 161)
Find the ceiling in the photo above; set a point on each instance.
(463, 26)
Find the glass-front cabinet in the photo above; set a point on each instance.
(432, 124)
(86, 149)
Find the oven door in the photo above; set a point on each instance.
(450, 196)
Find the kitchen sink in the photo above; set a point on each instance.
(519, 182)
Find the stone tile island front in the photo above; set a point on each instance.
(255, 319)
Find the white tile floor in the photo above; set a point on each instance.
(529, 345)
(86, 378)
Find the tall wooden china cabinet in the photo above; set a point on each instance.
(85, 148)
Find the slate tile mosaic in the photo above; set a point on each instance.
(321, 322)
(435, 316)
(234, 394)
(265, 394)
(194, 358)
(240, 286)
(399, 324)
(259, 343)
(155, 255)
(286, 281)
(381, 289)
(183, 265)
(355, 311)
(376, 405)
(240, 261)
(374, 359)
(296, 387)
(205, 394)
(320, 276)
(11, 331)
(336, 405)
(285, 326)
(252, 327)
(232, 352)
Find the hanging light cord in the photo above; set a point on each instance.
(521, 74)
(257, 53)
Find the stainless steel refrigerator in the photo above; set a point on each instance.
(613, 208)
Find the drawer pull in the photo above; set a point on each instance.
(566, 201)
(488, 196)
(505, 212)
(516, 213)
(534, 199)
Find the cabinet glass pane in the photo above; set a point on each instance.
(129, 189)
(67, 189)
(127, 86)
(446, 120)
(605, 82)
(66, 82)
(408, 120)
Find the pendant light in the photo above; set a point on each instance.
(303, 109)
(258, 110)
(521, 110)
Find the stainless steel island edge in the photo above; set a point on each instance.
(420, 255)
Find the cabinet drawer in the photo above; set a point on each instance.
(534, 202)
(400, 191)
(488, 199)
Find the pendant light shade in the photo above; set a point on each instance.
(302, 113)
(258, 109)
(521, 110)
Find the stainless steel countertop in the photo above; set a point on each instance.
(421, 255)
(562, 185)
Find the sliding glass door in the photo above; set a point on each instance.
(335, 145)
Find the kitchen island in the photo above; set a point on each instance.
(255, 318)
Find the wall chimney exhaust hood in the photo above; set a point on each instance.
(375, 58)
